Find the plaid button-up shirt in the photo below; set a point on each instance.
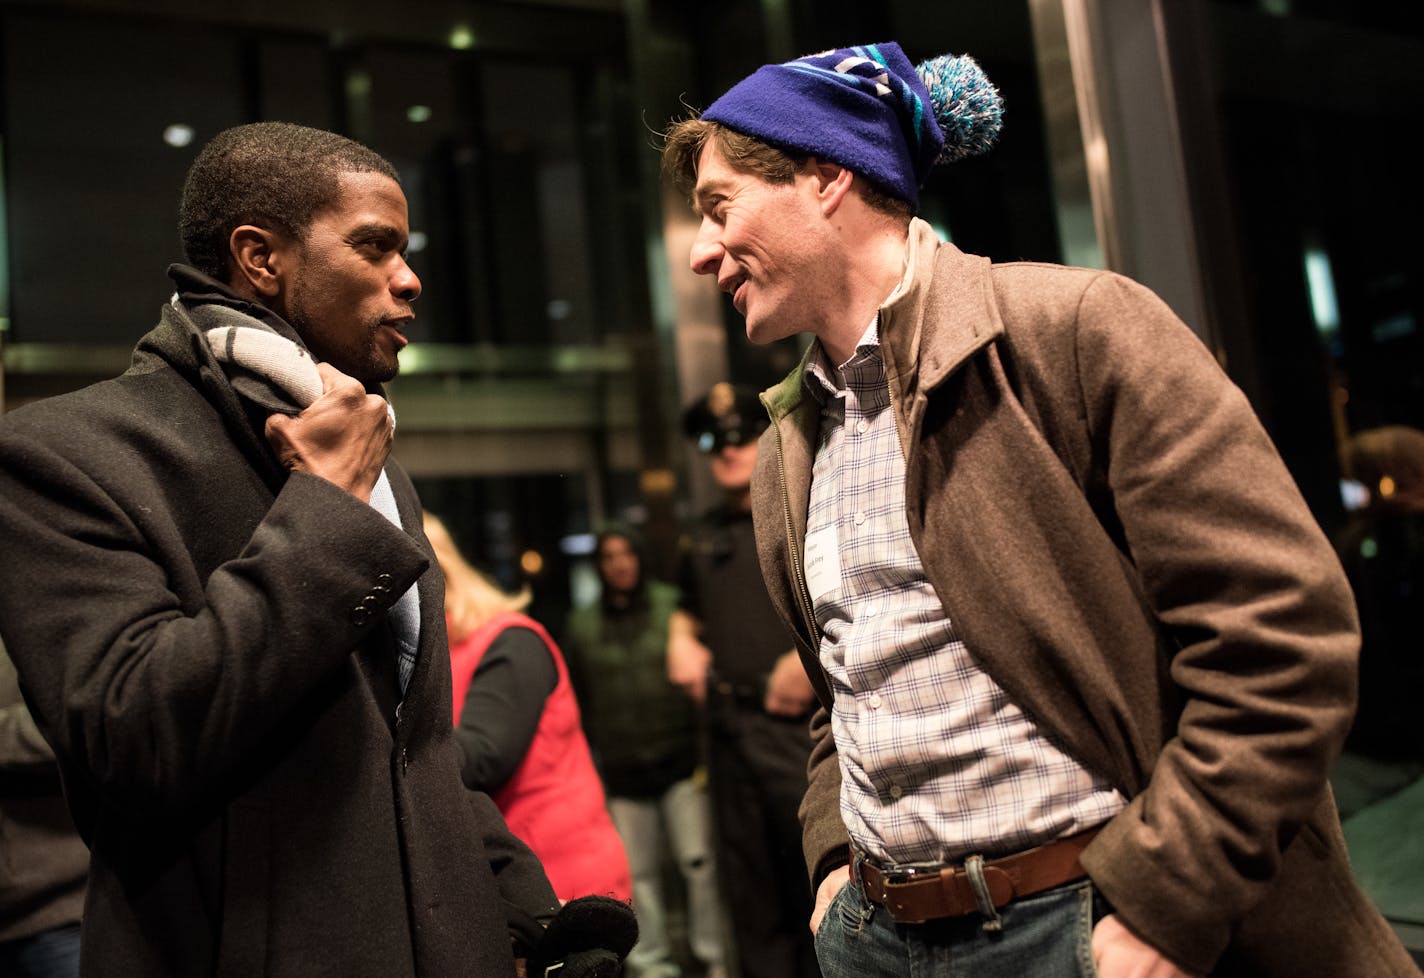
(937, 763)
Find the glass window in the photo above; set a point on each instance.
(102, 119)
(1318, 102)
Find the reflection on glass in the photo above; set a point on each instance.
(1382, 548)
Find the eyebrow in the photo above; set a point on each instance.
(377, 229)
(704, 190)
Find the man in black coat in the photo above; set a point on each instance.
(227, 620)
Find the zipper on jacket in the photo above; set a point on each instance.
(798, 572)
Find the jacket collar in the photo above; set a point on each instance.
(198, 289)
(943, 316)
(178, 342)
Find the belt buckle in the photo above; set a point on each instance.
(894, 877)
(900, 875)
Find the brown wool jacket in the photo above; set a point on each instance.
(1123, 551)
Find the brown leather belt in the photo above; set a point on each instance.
(915, 895)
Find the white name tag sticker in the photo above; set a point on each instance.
(822, 561)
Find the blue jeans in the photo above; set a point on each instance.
(1047, 935)
(51, 954)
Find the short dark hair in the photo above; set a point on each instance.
(270, 174)
(684, 142)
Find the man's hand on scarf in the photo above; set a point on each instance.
(344, 437)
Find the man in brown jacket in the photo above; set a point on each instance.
(1083, 656)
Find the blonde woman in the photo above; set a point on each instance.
(519, 731)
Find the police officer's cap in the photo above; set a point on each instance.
(728, 414)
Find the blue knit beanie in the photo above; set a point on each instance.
(870, 110)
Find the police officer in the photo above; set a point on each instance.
(730, 651)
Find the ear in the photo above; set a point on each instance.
(257, 260)
(833, 183)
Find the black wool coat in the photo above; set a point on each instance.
(194, 631)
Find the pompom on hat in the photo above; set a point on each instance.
(870, 110)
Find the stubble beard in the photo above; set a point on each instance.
(367, 365)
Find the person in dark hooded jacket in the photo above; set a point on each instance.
(642, 730)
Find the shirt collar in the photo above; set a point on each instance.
(823, 379)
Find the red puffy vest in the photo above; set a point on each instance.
(554, 801)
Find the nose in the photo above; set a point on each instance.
(405, 284)
(706, 251)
